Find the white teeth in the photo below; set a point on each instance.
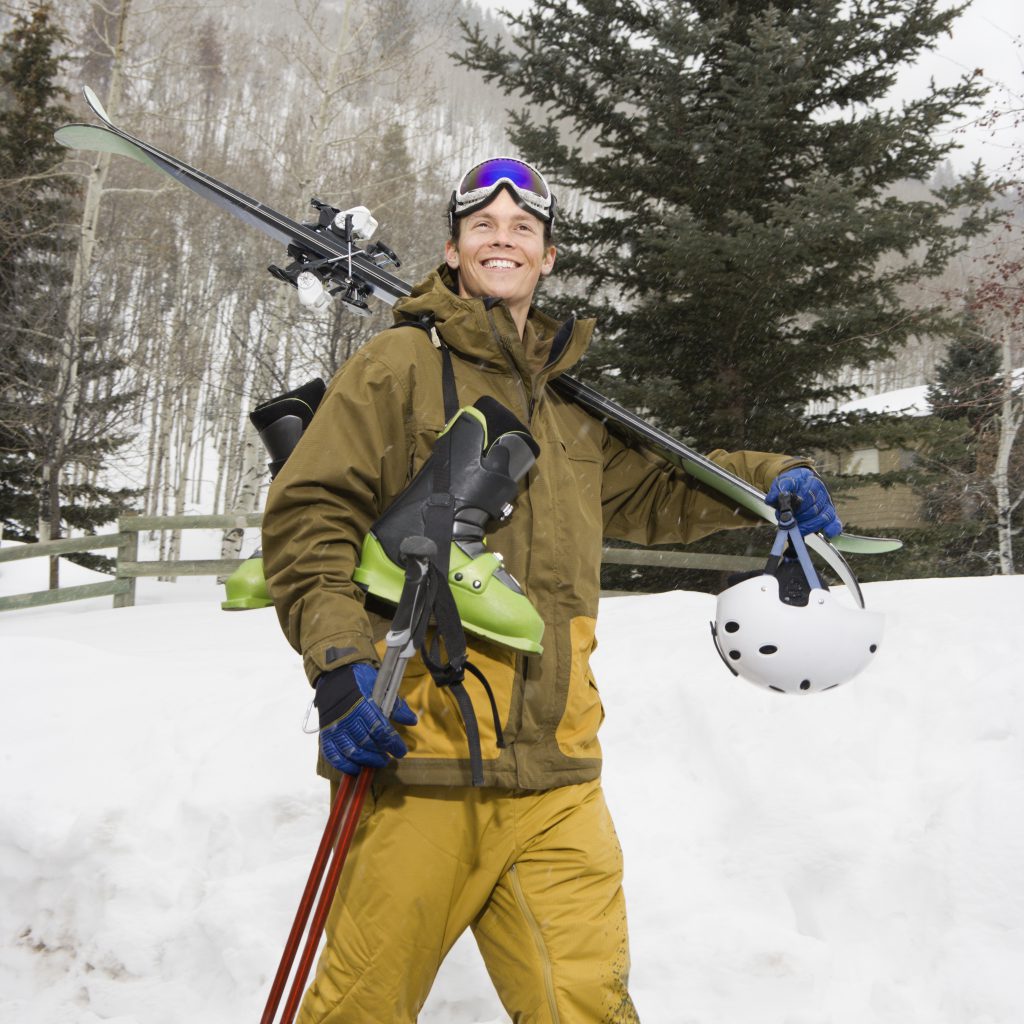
(500, 264)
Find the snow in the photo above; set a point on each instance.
(841, 858)
(904, 402)
(911, 401)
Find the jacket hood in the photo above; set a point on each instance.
(481, 328)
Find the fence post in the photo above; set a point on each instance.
(127, 551)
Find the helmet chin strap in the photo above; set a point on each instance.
(788, 534)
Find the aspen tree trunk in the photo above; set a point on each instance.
(163, 425)
(253, 469)
(66, 403)
(1010, 415)
(195, 355)
(155, 448)
(197, 480)
(228, 416)
(223, 449)
(254, 472)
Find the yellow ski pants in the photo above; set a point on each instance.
(537, 876)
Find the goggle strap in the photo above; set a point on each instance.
(454, 211)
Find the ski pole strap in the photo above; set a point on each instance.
(476, 761)
(439, 514)
(789, 535)
(448, 671)
(410, 620)
(455, 684)
(448, 632)
(499, 735)
(448, 677)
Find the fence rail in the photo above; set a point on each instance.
(71, 545)
(129, 568)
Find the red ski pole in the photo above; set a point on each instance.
(331, 830)
(413, 608)
(316, 927)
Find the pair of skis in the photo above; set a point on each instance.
(326, 255)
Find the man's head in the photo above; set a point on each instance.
(500, 242)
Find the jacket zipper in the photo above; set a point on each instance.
(538, 938)
(529, 404)
(527, 396)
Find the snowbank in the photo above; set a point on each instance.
(849, 857)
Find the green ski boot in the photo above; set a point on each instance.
(280, 422)
(490, 452)
(246, 587)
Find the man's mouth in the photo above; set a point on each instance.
(496, 264)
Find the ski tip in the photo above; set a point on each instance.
(69, 135)
(854, 544)
(94, 104)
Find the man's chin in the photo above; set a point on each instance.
(506, 280)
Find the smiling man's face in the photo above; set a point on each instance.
(501, 253)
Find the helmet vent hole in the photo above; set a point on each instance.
(805, 685)
(768, 649)
(735, 655)
(777, 689)
(873, 648)
(732, 627)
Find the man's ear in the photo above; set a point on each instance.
(549, 261)
(451, 254)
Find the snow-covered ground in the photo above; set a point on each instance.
(853, 857)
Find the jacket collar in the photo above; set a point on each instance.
(479, 329)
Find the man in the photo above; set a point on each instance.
(529, 860)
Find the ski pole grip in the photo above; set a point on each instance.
(787, 505)
(415, 552)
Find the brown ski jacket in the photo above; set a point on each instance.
(374, 429)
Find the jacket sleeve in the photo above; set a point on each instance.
(323, 501)
(648, 501)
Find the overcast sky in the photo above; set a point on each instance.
(990, 36)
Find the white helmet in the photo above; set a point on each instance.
(800, 640)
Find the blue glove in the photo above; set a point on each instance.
(813, 508)
(353, 729)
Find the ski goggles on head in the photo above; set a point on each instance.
(524, 183)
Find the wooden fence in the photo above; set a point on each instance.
(129, 568)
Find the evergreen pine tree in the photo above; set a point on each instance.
(966, 382)
(743, 245)
(38, 202)
(32, 210)
(956, 446)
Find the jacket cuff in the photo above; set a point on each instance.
(336, 650)
(791, 462)
(769, 469)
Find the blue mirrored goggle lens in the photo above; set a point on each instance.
(490, 172)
